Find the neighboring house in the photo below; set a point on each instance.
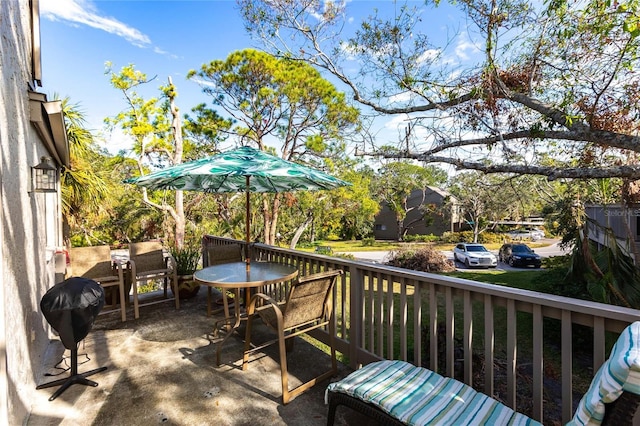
(30, 128)
(442, 215)
(623, 221)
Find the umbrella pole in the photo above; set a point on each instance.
(247, 252)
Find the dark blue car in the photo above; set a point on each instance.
(519, 255)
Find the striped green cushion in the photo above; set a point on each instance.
(417, 396)
(620, 372)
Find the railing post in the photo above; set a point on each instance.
(356, 297)
(567, 365)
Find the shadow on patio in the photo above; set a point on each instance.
(161, 369)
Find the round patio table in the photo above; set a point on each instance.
(240, 275)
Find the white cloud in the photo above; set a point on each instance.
(428, 55)
(116, 140)
(463, 47)
(398, 121)
(400, 97)
(165, 53)
(83, 12)
(202, 82)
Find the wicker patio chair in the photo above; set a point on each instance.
(148, 261)
(95, 263)
(216, 255)
(307, 308)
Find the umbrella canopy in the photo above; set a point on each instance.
(227, 172)
(242, 169)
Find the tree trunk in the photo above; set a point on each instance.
(476, 231)
(266, 213)
(177, 159)
(271, 220)
(180, 220)
(400, 229)
(303, 226)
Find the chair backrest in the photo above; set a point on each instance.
(148, 256)
(308, 298)
(216, 255)
(91, 262)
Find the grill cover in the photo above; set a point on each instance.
(71, 307)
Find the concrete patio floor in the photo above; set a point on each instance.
(161, 370)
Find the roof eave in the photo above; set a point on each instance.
(48, 119)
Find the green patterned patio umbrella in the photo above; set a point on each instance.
(242, 169)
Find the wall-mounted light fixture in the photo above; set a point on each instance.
(44, 176)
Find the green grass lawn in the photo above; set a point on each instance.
(527, 280)
(342, 246)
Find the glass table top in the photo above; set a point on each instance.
(241, 274)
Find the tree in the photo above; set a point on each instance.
(83, 185)
(484, 200)
(356, 206)
(394, 185)
(123, 217)
(96, 208)
(281, 102)
(205, 131)
(554, 91)
(156, 130)
(347, 212)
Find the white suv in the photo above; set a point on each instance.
(474, 255)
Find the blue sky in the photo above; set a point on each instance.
(162, 38)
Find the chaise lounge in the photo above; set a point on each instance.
(399, 393)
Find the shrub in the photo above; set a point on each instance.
(187, 259)
(490, 237)
(426, 259)
(557, 262)
(306, 244)
(345, 256)
(450, 237)
(368, 242)
(467, 236)
(421, 238)
(327, 250)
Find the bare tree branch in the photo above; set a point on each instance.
(630, 172)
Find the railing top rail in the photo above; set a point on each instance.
(527, 296)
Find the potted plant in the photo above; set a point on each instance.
(187, 259)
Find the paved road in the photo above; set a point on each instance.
(551, 250)
(382, 256)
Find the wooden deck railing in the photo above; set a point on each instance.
(505, 342)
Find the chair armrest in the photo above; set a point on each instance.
(263, 297)
(119, 266)
(131, 265)
(262, 311)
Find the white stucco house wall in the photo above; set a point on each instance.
(31, 127)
